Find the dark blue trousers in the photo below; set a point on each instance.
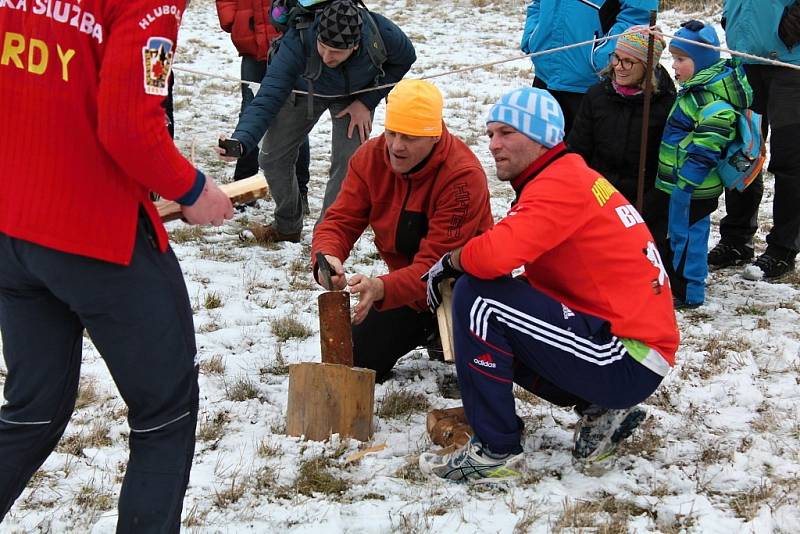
(139, 318)
(506, 331)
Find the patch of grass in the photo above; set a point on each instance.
(704, 6)
(96, 436)
(644, 442)
(398, 403)
(277, 367)
(241, 389)
(186, 233)
(222, 254)
(213, 300)
(195, 517)
(526, 396)
(267, 448)
(286, 328)
(87, 393)
(314, 476)
(230, 493)
(90, 498)
(212, 428)
(264, 479)
(746, 504)
(213, 366)
(751, 309)
(605, 514)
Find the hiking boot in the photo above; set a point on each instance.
(304, 202)
(435, 350)
(600, 430)
(724, 255)
(267, 233)
(769, 267)
(472, 463)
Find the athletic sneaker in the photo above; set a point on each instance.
(472, 463)
(724, 255)
(600, 430)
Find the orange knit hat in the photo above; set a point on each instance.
(414, 107)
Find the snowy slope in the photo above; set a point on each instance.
(721, 452)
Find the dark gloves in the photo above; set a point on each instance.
(789, 28)
(441, 269)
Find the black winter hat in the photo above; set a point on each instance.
(340, 24)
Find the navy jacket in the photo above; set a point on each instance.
(288, 65)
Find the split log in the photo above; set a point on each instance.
(449, 427)
(444, 317)
(335, 331)
(240, 192)
(327, 399)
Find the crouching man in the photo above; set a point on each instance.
(423, 192)
(590, 324)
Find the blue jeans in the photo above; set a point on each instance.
(254, 70)
(140, 320)
(508, 332)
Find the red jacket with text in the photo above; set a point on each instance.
(84, 137)
(416, 217)
(583, 244)
(248, 23)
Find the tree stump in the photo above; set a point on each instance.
(327, 399)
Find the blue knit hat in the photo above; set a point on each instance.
(533, 112)
(702, 33)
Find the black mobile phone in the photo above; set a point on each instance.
(233, 148)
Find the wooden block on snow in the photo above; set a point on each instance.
(240, 192)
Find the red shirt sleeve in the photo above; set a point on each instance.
(132, 84)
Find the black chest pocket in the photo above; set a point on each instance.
(411, 228)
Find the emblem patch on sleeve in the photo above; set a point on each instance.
(157, 60)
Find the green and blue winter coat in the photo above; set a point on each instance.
(693, 142)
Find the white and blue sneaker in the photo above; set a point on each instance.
(472, 463)
(599, 431)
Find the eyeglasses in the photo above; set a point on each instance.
(627, 64)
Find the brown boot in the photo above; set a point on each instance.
(267, 233)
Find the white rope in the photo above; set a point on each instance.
(470, 68)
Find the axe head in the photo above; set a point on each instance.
(324, 270)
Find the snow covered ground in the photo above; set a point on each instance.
(720, 452)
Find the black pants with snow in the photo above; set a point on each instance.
(386, 336)
(139, 319)
(776, 91)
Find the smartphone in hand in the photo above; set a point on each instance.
(232, 147)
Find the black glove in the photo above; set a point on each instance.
(789, 28)
(441, 269)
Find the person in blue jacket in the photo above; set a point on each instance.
(568, 74)
(289, 103)
(769, 29)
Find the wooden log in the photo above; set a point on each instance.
(240, 192)
(444, 317)
(327, 399)
(449, 427)
(335, 332)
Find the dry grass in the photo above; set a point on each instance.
(603, 514)
(213, 366)
(314, 476)
(88, 393)
(93, 437)
(747, 503)
(397, 403)
(186, 233)
(286, 328)
(212, 428)
(212, 300)
(91, 498)
(241, 389)
(277, 367)
(691, 6)
(230, 493)
(410, 472)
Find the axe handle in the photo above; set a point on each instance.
(444, 316)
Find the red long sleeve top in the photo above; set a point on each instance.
(84, 139)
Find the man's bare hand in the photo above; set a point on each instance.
(338, 279)
(360, 118)
(369, 290)
(212, 206)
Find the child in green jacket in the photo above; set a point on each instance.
(695, 139)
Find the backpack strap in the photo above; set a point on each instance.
(376, 49)
(709, 110)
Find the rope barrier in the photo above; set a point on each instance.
(653, 29)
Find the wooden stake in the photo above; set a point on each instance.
(444, 317)
(335, 330)
(648, 96)
(327, 399)
(240, 192)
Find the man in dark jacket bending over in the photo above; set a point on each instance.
(338, 40)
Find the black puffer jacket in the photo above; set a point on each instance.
(608, 130)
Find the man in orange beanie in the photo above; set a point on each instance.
(423, 192)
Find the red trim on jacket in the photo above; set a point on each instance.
(249, 24)
(451, 190)
(83, 143)
(583, 244)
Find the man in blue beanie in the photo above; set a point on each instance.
(769, 29)
(589, 324)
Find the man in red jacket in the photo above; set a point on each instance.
(423, 192)
(590, 324)
(82, 246)
(252, 34)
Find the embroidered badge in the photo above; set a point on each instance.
(157, 61)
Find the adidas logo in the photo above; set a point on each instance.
(485, 360)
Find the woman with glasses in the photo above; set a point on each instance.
(608, 129)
